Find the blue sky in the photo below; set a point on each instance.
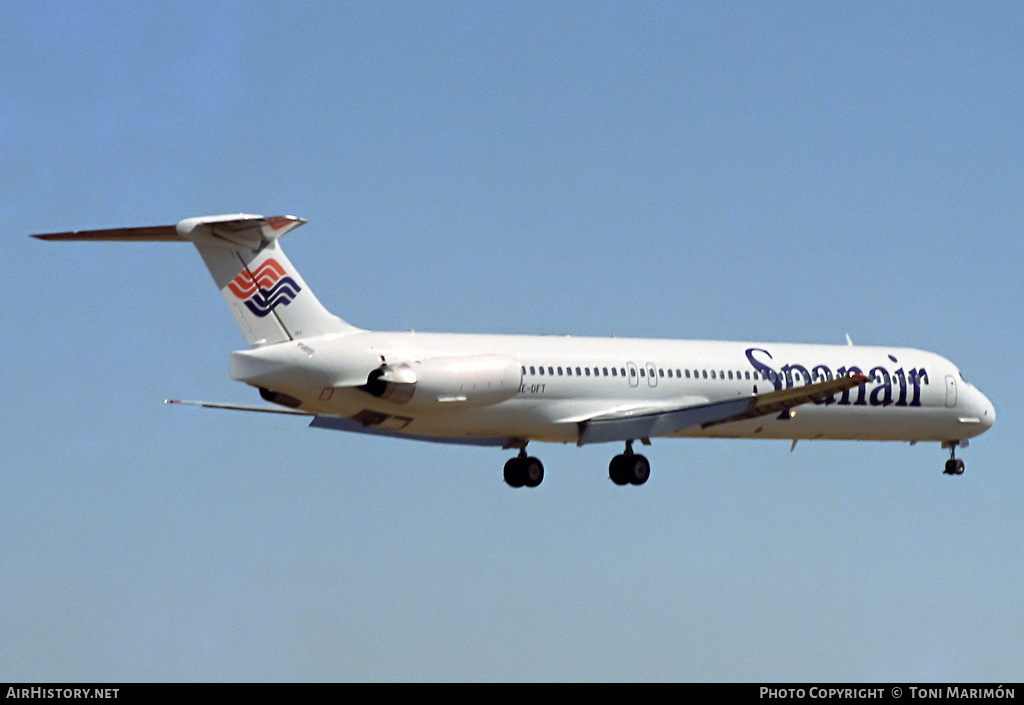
(758, 171)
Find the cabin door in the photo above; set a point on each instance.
(950, 391)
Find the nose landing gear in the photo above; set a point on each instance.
(954, 466)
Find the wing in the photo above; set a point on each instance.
(364, 423)
(633, 424)
(239, 407)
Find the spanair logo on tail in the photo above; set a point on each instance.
(266, 288)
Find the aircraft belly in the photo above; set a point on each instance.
(513, 419)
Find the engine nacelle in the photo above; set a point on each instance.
(472, 380)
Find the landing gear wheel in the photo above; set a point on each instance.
(523, 471)
(954, 466)
(533, 472)
(629, 469)
(514, 473)
(618, 471)
(639, 469)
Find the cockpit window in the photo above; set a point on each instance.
(962, 377)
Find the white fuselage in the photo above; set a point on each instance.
(912, 395)
(506, 390)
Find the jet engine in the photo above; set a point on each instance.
(472, 380)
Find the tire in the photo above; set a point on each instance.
(954, 466)
(639, 470)
(533, 472)
(618, 471)
(515, 475)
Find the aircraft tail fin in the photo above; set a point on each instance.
(268, 297)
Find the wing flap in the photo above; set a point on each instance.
(785, 399)
(628, 425)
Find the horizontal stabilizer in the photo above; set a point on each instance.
(236, 230)
(153, 233)
(239, 407)
(338, 423)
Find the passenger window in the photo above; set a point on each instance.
(588, 371)
(559, 371)
(578, 373)
(551, 370)
(533, 370)
(605, 369)
(542, 371)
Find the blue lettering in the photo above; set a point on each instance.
(916, 378)
(796, 375)
(899, 388)
(765, 371)
(825, 374)
(882, 394)
(901, 377)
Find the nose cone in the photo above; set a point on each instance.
(973, 411)
(988, 412)
(979, 412)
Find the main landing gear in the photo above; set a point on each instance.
(524, 471)
(627, 469)
(954, 466)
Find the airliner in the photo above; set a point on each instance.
(509, 390)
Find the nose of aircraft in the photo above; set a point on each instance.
(987, 412)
